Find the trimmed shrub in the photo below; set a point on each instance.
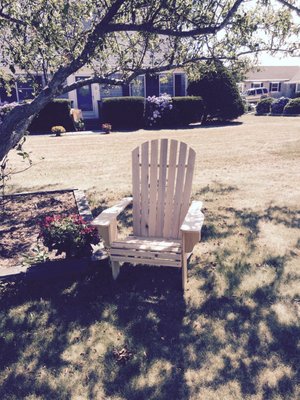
(292, 107)
(220, 94)
(58, 130)
(278, 105)
(264, 106)
(186, 110)
(123, 112)
(57, 112)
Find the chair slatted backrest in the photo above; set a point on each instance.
(162, 175)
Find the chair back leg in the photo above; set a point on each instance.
(184, 270)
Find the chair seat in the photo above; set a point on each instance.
(151, 251)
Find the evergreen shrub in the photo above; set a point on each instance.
(186, 110)
(292, 107)
(264, 106)
(123, 112)
(278, 105)
(220, 94)
(57, 112)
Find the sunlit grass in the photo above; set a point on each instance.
(234, 334)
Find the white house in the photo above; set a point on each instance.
(279, 80)
(87, 98)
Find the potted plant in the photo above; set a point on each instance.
(58, 130)
(106, 127)
(71, 235)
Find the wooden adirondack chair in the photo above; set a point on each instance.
(165, 228)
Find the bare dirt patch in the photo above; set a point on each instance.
(20, 219)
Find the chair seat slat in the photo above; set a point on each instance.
(145, 244)
(147, 261)
(146, 254)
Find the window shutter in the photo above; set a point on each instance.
(270, 86)
(279, 87)
(252, 84)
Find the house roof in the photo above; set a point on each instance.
(275, 74)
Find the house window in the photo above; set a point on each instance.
(257, 85)
(137, 86)
(111, 90)
(275, 87)
(298, 87)
(166, 84)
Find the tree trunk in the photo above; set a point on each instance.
(18, 119)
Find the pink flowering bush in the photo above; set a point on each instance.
(157, 108)
(71, 235)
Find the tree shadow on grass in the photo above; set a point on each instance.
(38, 321)
(60, 339)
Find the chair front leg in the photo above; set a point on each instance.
(184, 263)
(115, 266)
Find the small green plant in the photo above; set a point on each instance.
(70, 235)
(38, 255)
(58, 130)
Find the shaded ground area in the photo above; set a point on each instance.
(234, 335)
(19, 223)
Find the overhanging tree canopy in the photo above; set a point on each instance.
(129, 37)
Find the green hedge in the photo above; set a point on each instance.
(219, 91)
(123, 112)
(186, 110)
(292, 107)
(264, 106)
(55, 113)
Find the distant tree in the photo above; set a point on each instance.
(220, 93)
(121, 39)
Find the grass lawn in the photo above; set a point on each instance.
(233, 335)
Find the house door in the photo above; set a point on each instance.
(85, 99)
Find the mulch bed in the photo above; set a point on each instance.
(19, 223)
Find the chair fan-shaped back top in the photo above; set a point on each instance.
(162, 175)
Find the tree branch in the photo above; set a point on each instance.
(89, 81)
(12, 19)
(150, 28)
(290, 6)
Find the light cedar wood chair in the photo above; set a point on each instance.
(165, 227)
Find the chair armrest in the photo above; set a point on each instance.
(106, 222)
(111, 214)
(191, 226)
(194, 218)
